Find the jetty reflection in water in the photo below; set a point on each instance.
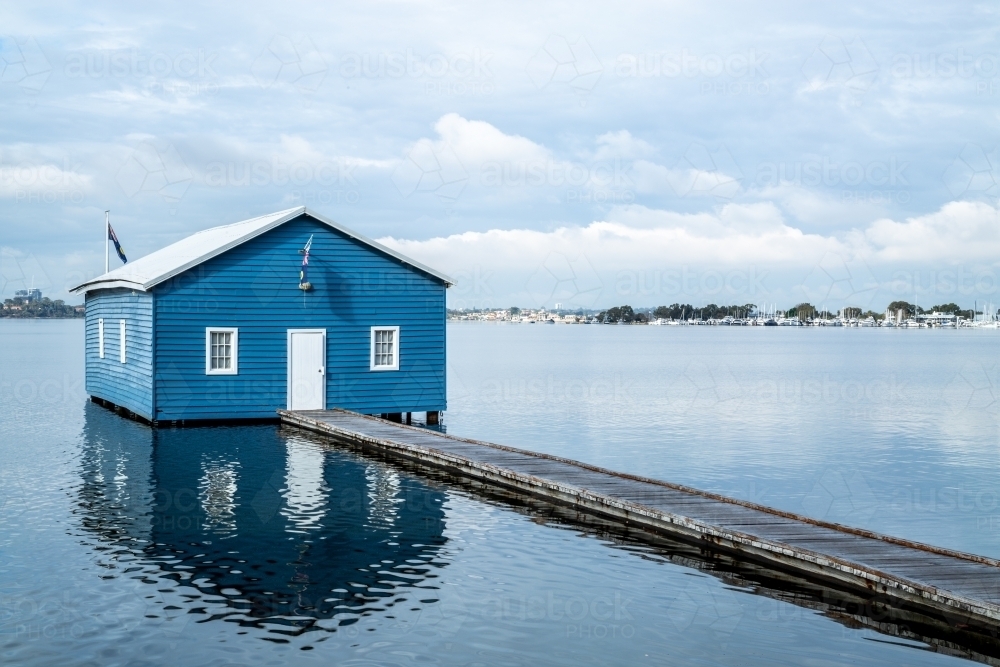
(270, 529)
(258, 526)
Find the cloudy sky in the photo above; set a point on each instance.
(588, 154)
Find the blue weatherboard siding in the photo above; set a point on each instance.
(254, 287)
(130, 384)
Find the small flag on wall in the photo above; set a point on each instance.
(304, 283)
(118, 246)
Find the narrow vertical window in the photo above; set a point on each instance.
(385, 349)
(221, 351)
(121, 338)
(100, 337)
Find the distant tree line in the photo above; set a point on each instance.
(44, 307)
(623, 314)
(677, 311)
(909, 309)
(803, 311)
(684, 311)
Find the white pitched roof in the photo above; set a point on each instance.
(157, 267)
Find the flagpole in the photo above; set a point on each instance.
(107, 231)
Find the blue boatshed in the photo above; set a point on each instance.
(222, 326)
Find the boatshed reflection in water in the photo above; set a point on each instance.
(265, 527)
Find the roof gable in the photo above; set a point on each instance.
(146, 272)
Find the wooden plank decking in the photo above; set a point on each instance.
(965, 588)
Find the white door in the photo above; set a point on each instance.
(307, 369)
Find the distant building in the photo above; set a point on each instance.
(936, 318)
(28, 294)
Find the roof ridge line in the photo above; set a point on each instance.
(161, 266)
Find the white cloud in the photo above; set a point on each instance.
(650, 177)
(511, 168)
(298, 149)
(958, 232)
(820, 209)
(30, 174)
(476, 142)
(621, 145)
(637, 236)
(732, 243)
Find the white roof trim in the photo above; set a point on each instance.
(109, 284)
(129, 276)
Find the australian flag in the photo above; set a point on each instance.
(118, 246)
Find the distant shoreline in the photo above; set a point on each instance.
(43, 317)
(714, 325)
(31, 305)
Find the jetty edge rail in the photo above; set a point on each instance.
(963, 589)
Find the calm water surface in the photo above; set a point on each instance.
(123, 545)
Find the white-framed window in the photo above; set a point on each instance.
(121, 340)
(221, 351)
(385, 349)
(100, 337)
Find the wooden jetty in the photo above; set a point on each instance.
(960, 589)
